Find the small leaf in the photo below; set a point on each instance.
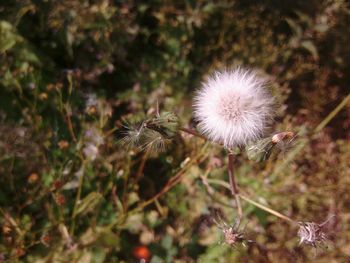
(89, 203)
(309, 46)
(8, 38)
(294, 27)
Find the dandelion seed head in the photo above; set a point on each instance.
(233, 107)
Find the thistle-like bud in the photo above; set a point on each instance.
(154, 133)
(261, 150)
(313, 234)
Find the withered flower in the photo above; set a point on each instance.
(232, 234)
(313, 234)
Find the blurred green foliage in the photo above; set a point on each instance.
(72, 72)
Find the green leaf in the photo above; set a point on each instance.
(7, 36)
(310, 46)
(89, 203)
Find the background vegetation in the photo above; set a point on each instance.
(71, 72)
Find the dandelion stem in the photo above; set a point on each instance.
(192, 132)
(233, 184)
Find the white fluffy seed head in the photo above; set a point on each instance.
(233, 107)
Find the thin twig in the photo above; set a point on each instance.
(77, 198)
(192, 132)
(110, 132)
(331, 115)
(11, 221)
(263, 207)
(267, 209)
(233, 184)
(211, 191)
(70, 127)
(169, 185)
(125, 189)
(142, 164)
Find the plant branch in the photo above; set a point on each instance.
(189, 131)
(331, 115)
(77, 198)
(171, 182)
(142, 164)
(187, 163)
(262, 207)
(267, 209)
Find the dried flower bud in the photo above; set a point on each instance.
(57, 184)
(20, 252)
(6, 229)
(313, 234)
(232, 234)
(33, 177)
(279, 137)
(60, 200)
(232, 237)
(46, 240)
(63, 144)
